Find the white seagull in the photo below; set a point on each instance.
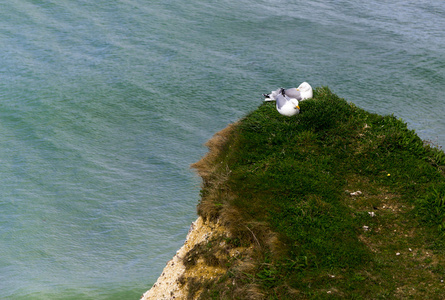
(302, 92)
(287, 106)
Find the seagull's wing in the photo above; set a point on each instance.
(281, 100)
(293, 93)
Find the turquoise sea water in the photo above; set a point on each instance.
(105, 104)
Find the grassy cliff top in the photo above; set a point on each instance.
(336, 202)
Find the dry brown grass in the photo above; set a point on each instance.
(206, 166)
(214, 175)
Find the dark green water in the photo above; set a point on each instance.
(105, 104)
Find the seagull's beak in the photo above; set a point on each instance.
(297, 107)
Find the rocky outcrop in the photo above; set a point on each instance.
(173, 283)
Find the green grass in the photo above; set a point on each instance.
(283, 186)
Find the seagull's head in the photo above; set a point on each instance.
(305, 90)
(304, 87)
(295, 104)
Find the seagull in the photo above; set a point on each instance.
(285, 105)
(302, 92)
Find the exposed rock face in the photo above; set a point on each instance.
(172, 284)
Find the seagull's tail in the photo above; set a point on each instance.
(268, 97)
(273, 95)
